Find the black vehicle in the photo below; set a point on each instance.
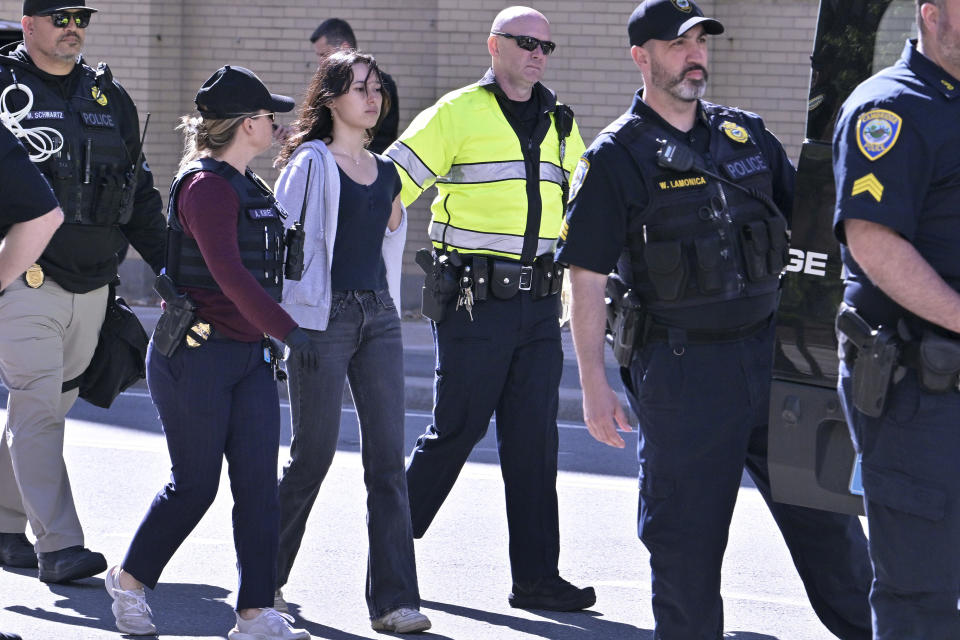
(10, 31)
(812, 461)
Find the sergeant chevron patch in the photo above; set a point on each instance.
(868, 184)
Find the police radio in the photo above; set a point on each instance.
(296, 236)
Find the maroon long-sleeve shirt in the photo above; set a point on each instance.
(208, 207)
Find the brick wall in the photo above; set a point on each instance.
(162, 50)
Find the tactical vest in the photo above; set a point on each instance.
(93, 174)
(699, 241)
(260, 232)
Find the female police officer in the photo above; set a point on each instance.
(214, 389)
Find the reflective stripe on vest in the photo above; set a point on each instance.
(498, 171)
(412, 164)
(471, 241)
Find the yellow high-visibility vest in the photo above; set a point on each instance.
(465, 145)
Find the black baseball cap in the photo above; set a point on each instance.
(666, 20)
(232, 92)
(46, 7)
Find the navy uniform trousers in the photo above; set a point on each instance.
(703, 417)
(911, 480)
(216, 401)
(507, 361)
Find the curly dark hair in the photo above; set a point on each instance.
(331, 80)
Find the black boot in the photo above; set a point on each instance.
(72, 563)
(16, 551)
(552, 594)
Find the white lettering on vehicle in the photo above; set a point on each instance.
(813, 263)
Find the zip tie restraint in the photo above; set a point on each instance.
(41, 142)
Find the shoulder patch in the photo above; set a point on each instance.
(98, 95)
(735, 132)
(579, 174)
(877, 132)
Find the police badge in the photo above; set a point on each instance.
(735, 132)
(34, 276)
(877, 132)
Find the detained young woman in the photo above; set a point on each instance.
(355, 230)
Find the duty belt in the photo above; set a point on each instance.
(663, 333)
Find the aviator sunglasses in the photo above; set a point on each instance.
(529, 43)
(62, 19)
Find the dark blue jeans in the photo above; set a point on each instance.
(361, 343)
(911, 482)
(216, 400)
(507, 360)
(703, 411)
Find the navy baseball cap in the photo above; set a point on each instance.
(666, 20)
(232, 92)
(46, 7)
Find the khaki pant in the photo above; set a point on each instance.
(47, 335)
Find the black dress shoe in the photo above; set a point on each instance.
(16, 551)
(551, 594)
(9, 636)
(72, 563)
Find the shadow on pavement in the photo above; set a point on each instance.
(179, 609)
(323, 632)
(561, 626)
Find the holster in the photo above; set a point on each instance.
(177, 317)
(876, 355)
(172, 329)
(939, 363)
(440, 282)
(625, 320)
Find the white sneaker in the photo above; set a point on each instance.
(129, 607)
(402, 620)
(269, 625)
(279, 603)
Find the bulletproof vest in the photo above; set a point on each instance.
(93, 174)
(260, 232)
(699, 241)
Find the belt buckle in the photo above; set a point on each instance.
(526, 277)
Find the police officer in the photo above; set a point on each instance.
(214, 382)
(106, 192)
(898, 185)
(499, 151)
(704, 257)
(29, 216)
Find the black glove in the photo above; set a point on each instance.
(303, 351)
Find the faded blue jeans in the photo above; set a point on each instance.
(361, 343)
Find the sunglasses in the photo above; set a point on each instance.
(529, 43)
(62, 19)
(271, 115)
